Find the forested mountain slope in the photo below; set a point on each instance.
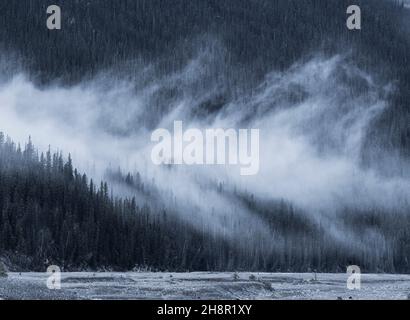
(218, 59)
(259, 36)
(52, 214)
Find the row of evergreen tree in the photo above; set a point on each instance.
(52, 214)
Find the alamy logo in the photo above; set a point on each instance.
(54, 278)
(209, 146)
(354, 278)
(354, 21)
(54, 20)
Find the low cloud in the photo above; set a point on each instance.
(312, 118)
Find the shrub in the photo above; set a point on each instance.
(235, 276)
(252, 277)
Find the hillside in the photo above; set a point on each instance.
(258, 36)
(332, 106)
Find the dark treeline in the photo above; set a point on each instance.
(378, 240)
(50, 213)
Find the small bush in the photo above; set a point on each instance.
(252, 277)
(267, 285)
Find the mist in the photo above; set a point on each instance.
(313, 120)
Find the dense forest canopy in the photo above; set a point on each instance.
(52, 213)
(259, 36)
